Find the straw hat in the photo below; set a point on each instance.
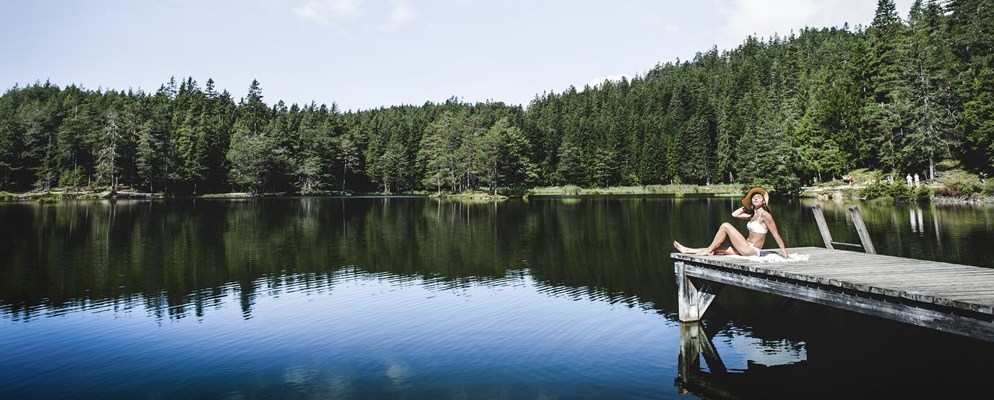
(747, 200)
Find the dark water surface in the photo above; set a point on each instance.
(419, 298)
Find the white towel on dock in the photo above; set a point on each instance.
(774, 256)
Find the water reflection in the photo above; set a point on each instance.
(179, 258)
(376, 297)
(950, 233)
(350, 333)
(916, 223)
(731, 368)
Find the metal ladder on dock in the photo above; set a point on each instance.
(857, 219)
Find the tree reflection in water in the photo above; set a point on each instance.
(176, 259)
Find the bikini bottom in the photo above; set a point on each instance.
(753, 247)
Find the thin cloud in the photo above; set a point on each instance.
(401, 15)
(766, 18)
(328, 11)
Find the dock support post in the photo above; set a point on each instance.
(857, 219)
(693, 301)
(864, 235)
(826, 235)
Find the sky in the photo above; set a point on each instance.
(362, 54)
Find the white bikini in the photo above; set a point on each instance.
(755, 226)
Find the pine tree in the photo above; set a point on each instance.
(349, 157)
(249, 151)
(395, 167)
(37, 116)
(929, 91)
(505, 150)
(152, 159)
(884, 111)
(78, 136)
(438, 146)
(972, 40)
(218, 118)
(11, 142)
(570, 169)
(107, 159)
(189, 136)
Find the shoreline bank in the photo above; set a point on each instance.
(834, 193)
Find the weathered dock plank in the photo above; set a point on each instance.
(944, 296)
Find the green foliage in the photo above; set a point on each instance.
(987, 188)
(107, 167)
(247, 158)
(437, 156)
(505, 151)
(572, 190)
(898, 191)
(393, 167)
(875, 191)
(956, 182)
(972, 44)
(570, 168)
(784, 112)
(72, 178)
(960, 188)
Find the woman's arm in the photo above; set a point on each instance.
(772, 226)
(741, 213)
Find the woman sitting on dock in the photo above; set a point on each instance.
(756, 209)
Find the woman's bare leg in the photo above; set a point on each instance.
(684, 249)
(699, 250)
(739, 244)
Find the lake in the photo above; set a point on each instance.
(421, 298)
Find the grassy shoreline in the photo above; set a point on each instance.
(831, 191)
(570, 190)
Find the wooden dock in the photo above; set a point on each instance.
(948, 297)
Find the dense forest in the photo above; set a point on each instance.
(899, 95)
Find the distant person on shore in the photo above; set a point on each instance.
(918, 183)
(756, 209)
(908, 178)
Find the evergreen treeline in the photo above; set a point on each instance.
(899, 95)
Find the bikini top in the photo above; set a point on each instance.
(755, 226)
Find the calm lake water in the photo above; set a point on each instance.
(420, 298)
